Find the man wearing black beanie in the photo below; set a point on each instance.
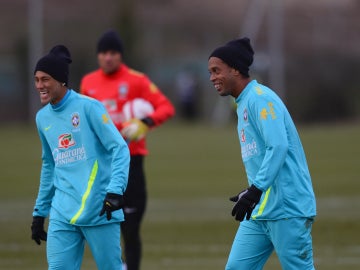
(278, 207)
(119, 87)
(110, 41)
(237, 54)
(56, 64)
(84, 172)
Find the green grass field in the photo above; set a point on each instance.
(191, 171)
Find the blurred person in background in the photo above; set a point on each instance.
(187, 91)
(277, 210)
(115, 84)
(84, 173)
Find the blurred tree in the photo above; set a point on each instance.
(126, 25)
(322, 56)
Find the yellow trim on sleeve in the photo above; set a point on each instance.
(87, 192)
(263, 204)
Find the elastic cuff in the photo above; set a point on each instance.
(257, 191)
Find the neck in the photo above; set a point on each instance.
(64, 91)
(240, 86)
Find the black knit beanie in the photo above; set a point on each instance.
(56, 63)
(110, 41)
(237, 54)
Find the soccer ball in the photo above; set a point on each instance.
(137, 108)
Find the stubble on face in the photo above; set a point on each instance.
(109, 61)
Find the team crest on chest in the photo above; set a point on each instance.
(75, 120)
(245, 115)
(123, 89)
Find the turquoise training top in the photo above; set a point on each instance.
(273, 155)
(83, 157)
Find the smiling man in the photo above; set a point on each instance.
(277, 209)
(84, 173)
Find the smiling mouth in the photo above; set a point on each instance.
(44, 94)
(217, 86)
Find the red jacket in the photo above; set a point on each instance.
(127, 84)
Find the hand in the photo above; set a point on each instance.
(134, 129)
(112, 202)
(37, 230)
(246, 201)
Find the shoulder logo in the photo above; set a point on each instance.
(47, 128)
(135, 72)
(153, 88)
(105, 118)
(65, 141)
(263, 114)
(258, 90)
(268, 111)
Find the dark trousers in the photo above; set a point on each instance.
(135, 204)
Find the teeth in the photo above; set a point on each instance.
(217, 86)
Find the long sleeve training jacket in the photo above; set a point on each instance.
(83, 158)
(273, 155)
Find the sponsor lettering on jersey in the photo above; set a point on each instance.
(248, 150)
(66, 153)
(69, 156)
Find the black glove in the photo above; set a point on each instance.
(148, 121)
(37, 230)
(246, 201)
(112, 202)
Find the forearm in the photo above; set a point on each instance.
(120, 170)
(46, 191)
(271, 165)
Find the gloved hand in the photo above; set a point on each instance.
(112, 202)
(134, 129)
(246, 201)
(37, 230)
